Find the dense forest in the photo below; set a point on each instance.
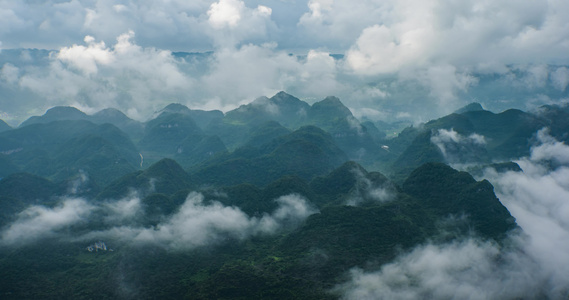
(277, 199)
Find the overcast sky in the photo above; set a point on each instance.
(424, 53)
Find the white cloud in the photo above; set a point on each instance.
(9, 73)
(421, 53)
(560, 78)
(460, 270)
(38, 221)
(366, 190)
(457, 148)
(126, 209)
(549, 149)
(196, 223)
(225, 13)
(125, 76)
(86, 58)
(199, 223)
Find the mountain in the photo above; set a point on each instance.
(282, 107)
(475, 136)
(327, 112)
(474, 106)
(306, 152)
(556, 118)
(20, 190)
(202, 118)
(304, 261)
(350, 135)
(351, 184)
(109, 115)
(177, 136)
(4, 126)
(7, 167)
(197, 149)
(62, 149)
(164, 133)
(163, 177)
(275, 200)
(265, 133)
(116, 117)
(57, 113)
(450, 193)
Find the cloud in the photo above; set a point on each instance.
(127, 209)
(95, 76)
(38, 222)
(416, 40)
(549, 149)
(399, 55)
(560, 78)
(197, 224)
(9, 73)
(529, 265)
(460, 270)
(225, 13)
(457, 148)
(292, 210)
(366, 190)
(85, 59)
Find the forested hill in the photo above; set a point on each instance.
(276, 199)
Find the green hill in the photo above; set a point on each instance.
(306, 152)
(113, 116)
(164, 177)
(61, 149)
(447, 192)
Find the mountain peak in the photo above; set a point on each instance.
(330, 108)
(64, 111)
(110, 112)
(176, 108)
(57, 113)
(284, 97)
(474, 106)
(4, 126)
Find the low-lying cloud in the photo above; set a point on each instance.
(462, 270)
(38, 222)
(533, 264)
(199, 224)
(196, 223)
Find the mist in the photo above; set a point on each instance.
(197, 222)
(533, 263)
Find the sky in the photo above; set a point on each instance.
(398, 58)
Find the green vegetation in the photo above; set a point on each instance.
(136, 182)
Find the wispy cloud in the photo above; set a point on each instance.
(39, 222)
(196, 223)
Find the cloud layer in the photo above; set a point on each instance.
(197, 223)
(399, 56)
